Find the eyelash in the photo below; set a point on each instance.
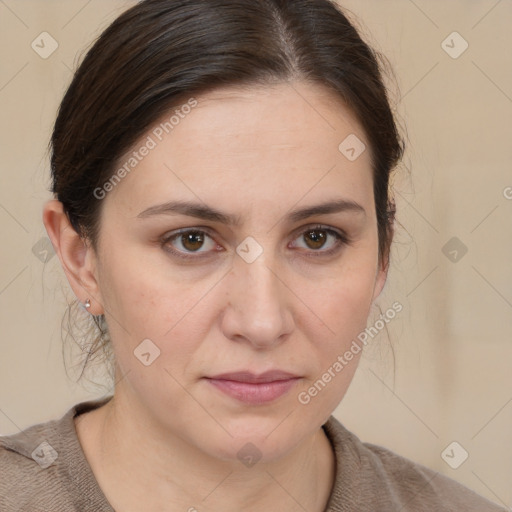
(341, 240)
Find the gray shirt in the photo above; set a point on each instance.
(43, 469)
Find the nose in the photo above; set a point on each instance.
(258, 308)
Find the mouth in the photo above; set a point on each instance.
(254, 389)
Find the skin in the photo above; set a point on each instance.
(258, 153)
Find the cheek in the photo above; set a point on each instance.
(345, 316)
(141, 293)
(339, 314)
(343, 298)
(342, 305)
(142, 301)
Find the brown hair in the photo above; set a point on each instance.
(161, 51)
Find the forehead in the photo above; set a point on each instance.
(294, 110)
(258, 139)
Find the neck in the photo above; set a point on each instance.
(130, 455)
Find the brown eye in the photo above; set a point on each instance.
(187, 242)
(192, 241)
(317, 238)
(315, 241)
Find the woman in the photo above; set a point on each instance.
(222, 210)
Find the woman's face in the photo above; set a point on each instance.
(255, 287)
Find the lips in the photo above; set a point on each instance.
(252, 388)
(249, 377)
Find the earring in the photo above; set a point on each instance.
(87, 304)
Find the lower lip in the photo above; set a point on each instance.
(253, 393)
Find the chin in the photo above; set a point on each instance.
(266, 439)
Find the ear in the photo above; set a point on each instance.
(77, 258)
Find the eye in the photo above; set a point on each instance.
(188, 241)
(317, 236)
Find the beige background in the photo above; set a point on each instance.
(451, 380)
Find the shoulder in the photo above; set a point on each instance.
(422, 486)
(43, 467)
(386, 481)
(27, 465)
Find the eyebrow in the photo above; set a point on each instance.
(205, 212)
